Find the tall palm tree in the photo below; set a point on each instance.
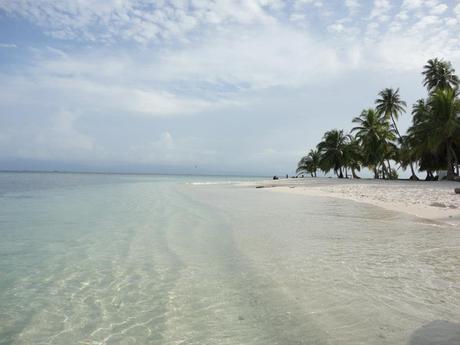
(374, 136)
(439, 74)
(390, 105)
(443, 125)
(331, 149)
(432, 141)
(309, 163)
(415, 145)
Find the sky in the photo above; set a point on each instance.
(201, 86)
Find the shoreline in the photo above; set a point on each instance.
(435, 201)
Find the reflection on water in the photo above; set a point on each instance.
(136, 260)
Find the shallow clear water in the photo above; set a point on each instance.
(126, 259)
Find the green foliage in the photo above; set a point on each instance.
(353, 155)
(332, 151)
(375, 136)
(432, 141)
(309, 163)
(389, 106)
(439, 74)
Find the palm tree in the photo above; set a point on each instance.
(303, 166)
(390, 105)
(439, 74)
(331, 149)
(414, 144)
(443, 125)
(309, 163)
(407, 155)
(353, 156)
(432, 141)
(374, 136)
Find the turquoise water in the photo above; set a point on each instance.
(132, 259)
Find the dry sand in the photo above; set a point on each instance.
(435, 201)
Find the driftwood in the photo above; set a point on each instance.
(457, 190)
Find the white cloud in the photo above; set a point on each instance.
(439, 9)
(56, 138)
(166, 61)
(336, 27)
(457, 10)
(102, 98)
(138, 20)
(8, 45)
(254, 59)
(169, 150)
(412, 4)
(380, 9)
(352, 5)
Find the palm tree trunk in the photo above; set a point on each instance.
(414, 176)
(429, 176)
(384, 170)
(376, 174)
(450, 166)
(353, 173)
(454, 154)
(389, 169)
(396, 127)
(341, 172)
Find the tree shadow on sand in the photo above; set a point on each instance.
(436, 332)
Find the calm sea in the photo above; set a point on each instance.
(145, 259)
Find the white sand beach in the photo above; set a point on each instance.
(435, 201)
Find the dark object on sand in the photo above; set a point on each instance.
(275, 177)
(457, 190)
(260, 186)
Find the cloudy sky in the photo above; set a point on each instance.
(203, 86)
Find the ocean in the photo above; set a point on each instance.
(151, 259)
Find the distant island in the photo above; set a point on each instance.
(432, 142)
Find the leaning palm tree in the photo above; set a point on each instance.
(390, 105)
(331, 149)
(315, 157)
(443, 125)
(304, 166)
(439, 74)
(309, 163)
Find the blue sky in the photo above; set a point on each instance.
(203, 86)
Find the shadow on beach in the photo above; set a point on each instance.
(437, 332)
